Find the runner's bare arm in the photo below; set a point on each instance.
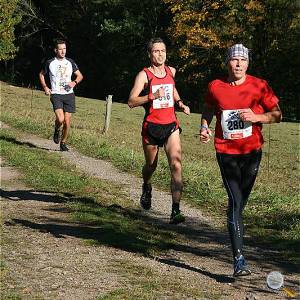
(207, 116)
(78, 78)
(173, 70)
(180, 103)
(176, 95)
(273, 116)
(134, 97)
(43, 83)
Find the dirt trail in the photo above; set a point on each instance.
(44, 259)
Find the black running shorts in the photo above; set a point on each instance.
(157, 134)
(64, 102)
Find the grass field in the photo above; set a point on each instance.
(91, 201)
(273, 211)
(106, 208)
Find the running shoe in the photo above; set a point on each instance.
(56, 135)
(177, 217)
(146, 196)
(63, 147)
(240, 267)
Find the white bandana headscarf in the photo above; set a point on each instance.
(237, 50)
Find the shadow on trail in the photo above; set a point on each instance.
(132, 231)
(125, 239)
(35, 195)
(43, 196)
(126, 229)
(217, 277)
(30, 145)
(114, 226)
(15, 141)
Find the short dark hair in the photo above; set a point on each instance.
(58, 42)
(154, 41)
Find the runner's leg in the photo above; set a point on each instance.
(249, 170)
(173, 152)
(249, 173)
(67, 125)
(59, 117)
(231, 175)
(151, 158)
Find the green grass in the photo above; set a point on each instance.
(273, 211)
(103, 206)
(12, 296)
(154, 283)
(107, 217)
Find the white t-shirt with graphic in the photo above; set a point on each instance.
(60, 72)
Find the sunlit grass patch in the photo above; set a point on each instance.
(149, 283)
(109, 216)
(273, 205)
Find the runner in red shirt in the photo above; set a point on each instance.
(241, 103)
(160, 126)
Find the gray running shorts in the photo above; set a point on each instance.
(65, 102)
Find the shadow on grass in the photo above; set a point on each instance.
(217, 277)
(35, 195)
(30, 145)
(15, 141)
(268, 238)
(126, 239)
(132, 231)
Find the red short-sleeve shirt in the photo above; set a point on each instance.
(233, 136)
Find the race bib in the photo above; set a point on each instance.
(167, 100)
(233, 127)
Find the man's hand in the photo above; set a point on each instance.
(246, 114)
(71, 84)
(205, 134)
(159, 93)
(185, 109)
(47, 91)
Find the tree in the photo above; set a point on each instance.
(107, 38)
(202, 30)
(8, 20)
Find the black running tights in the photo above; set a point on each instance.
(239, 174)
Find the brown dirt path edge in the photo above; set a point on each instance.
(61, 266)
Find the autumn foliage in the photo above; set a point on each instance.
(202, 30)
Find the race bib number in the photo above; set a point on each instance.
(233, 127)
(167, 100)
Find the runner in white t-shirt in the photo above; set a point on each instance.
(60, 70)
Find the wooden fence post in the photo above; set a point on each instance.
(31, 100)
(107, 113)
